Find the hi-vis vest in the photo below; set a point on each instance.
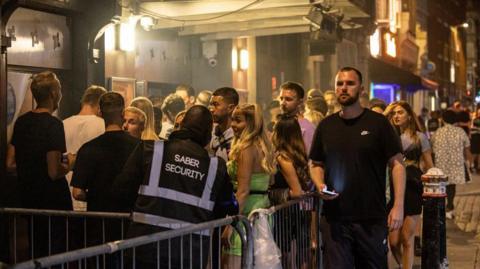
(154, 191)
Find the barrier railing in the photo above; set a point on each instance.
(133, 256)
(295, 230)
(31, 233)
(294, 226)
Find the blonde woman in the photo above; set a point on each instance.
(147, 107)
(416, 148)
(250, 167)
(134, 121)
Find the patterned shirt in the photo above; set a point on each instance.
(449, 143)
(221, 143)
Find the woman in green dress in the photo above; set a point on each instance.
(250, 167)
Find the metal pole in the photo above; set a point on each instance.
(434, 252)
(244, 229)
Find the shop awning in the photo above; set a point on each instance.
(383, 72)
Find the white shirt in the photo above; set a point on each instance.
(80, 129)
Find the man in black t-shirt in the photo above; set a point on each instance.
(36, 149)
(349, 154)
(100, 160)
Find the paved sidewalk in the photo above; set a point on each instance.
(463, 233)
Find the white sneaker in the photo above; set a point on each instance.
(449, 214)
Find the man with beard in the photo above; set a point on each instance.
(291, 100)
(349, 155)
(224, 101)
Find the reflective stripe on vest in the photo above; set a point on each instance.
(152, 189)
(164, 222)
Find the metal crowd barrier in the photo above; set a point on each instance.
(185, 248)
(27, 234)
(295, 228)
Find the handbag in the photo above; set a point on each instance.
(266, 253)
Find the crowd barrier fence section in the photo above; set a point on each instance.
(32, 233)
(194, 246)
(295, 228)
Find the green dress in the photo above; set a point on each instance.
(259, 182)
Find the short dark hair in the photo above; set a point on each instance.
(42, 86)
(376, 102)
(449, 116)
(230, 95)
(199, 121)
(92, 94)
(189, 89)
(294, 86)
(349, 68)
(111, 105)
(172, 105)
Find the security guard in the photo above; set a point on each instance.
(181, 186)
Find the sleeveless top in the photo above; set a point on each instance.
(259, 183)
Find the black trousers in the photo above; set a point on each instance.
(357, 245)
(451, 191)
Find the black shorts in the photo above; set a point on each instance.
(349, 245)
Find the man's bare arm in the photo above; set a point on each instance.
(317, 174)
(395, 218)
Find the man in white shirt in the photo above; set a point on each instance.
(83, 127)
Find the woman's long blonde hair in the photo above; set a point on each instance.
(146, 106)
(253, 134)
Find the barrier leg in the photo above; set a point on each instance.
(242, 226)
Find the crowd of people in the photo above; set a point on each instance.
(208, 156)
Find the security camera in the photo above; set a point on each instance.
(212, 62)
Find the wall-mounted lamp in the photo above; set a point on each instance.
(234, 59)
(110, 37)
(375, 43)
(121, 35)
(243, 59)
(127, 34)
(391, 46)
(239, 61)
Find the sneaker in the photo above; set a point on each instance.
(449, 214)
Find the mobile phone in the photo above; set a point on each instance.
(327, 192)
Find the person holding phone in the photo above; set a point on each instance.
(349, 154)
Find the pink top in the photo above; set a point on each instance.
(308, 129)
